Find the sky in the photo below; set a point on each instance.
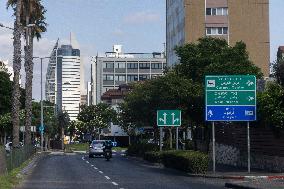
(138, 25)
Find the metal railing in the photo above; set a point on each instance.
(17, 156)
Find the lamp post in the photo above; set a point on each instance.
(41, 101)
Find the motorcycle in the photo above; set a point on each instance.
(108, 154)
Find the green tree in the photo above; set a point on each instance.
(271, 106)
(213, 56)
(97, 116)
(5, 93)
(166, 92)
(279, 71)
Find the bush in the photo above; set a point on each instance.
(139, 149)
(154, 157)
(189, 145)
(189, 161)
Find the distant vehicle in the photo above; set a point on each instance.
(96, 148)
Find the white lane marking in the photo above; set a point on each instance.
(95, 168)
(107, 177)
(101, 172)
(83, 158)
(87, 162)
(121, 188)
(114, 183)
(92, 165)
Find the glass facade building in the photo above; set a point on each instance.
(63, 79)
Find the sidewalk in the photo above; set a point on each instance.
(236, 173)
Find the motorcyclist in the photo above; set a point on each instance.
(108, 146)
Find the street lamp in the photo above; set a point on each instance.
(41, 102)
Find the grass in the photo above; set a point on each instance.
(11, 179)
(78, 147)
(119, 148)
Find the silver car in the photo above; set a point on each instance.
(96, 148)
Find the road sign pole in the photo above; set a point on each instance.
(161, 138)
(41, 107)
(213, 147)
(248, 147)
(177, 138)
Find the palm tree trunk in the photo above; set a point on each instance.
(17, 69)
(28, 85)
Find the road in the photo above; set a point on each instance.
(78, 171)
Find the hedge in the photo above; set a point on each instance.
(154, 157)
(188, 161)
(139, 149)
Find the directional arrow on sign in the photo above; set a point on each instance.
(173, 118)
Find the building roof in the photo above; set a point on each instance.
(119, 93)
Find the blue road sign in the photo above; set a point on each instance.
(41, 129)
(230, 113)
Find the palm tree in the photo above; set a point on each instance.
(17, 69)
(32, 12)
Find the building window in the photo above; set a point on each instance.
(143, 77)
(208, 11)
(120, 65)
(132, 66)
(156, 65)
(120, 78)
(132, 78)
(220, 11)
(217, 31)
(108, 77)
(144, 65)
(108, 65)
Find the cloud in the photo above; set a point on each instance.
(142, 17)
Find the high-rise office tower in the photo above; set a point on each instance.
(233, 20)
(63, 78)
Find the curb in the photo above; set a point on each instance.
(233, 177)
(237, 186)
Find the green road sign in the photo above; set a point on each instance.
(230, 98)
(231, 82)
(167, 118)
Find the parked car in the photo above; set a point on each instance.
(96, 148)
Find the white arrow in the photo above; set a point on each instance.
(249, 83)
(250, 98)
(173, 118)
(165, 118)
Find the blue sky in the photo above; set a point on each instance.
(139, 25)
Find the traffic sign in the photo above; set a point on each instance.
(169, 118)
(230, 98)
(41, 129)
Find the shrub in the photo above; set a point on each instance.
(139, 149)
(189, 161)
(154, 157)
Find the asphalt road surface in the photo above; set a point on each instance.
(75, 171)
